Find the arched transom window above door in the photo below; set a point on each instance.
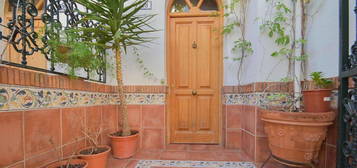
(194, 6)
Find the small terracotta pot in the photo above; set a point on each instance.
(65, 162)
(297, 136)
(317, 100)
(96, 160)
(124, 147)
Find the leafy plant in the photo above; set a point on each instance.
(237, 10)
(66, 47)
(280, 25)
(121, 26)
(319, 80)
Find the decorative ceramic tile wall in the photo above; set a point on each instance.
(22, 98)
(257, 99)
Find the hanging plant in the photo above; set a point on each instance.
(67, 47)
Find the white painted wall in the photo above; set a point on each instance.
(322, 46)
(153, 53)
(323, 37)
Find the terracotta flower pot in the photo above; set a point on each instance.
(97, 160)
(124, 147)
(317, 100)
(62, 163)
(296, 137)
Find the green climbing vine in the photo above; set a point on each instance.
(146, 71)
(280, 24)
(236, 16)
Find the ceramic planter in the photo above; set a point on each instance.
(59, 164)
(124, 147)
(296, 137)
(317, 100)
(98, 160)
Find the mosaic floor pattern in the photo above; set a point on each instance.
(192, 164)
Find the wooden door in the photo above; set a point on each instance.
(194, 79)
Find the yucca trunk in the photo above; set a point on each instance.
(122, 107)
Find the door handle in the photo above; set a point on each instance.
(194, 45)
(194, 92)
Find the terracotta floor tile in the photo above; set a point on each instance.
(174, 155)
(204, 147)
(202, 156)
(153, 139)
(229, 156)
(18, 165)
(147, 155)
(117, 163)
(177, 147)
(132, 164)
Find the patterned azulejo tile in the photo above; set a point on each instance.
(21, 98)
(258, 99)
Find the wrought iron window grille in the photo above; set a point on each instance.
(347, 140)
(24, 38)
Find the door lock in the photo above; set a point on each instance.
(194, 45)
(194, 92)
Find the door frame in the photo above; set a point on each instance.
(170, 15)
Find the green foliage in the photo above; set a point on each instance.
(286, 79)
(277, 28)
(278, 97)
(67, 47)
(237, 9)
(121, 25)
(319, 80)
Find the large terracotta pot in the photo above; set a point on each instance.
(65, 162)
(124, 147)
(317, 100)
(98, 160)
(296, 137)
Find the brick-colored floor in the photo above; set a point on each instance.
(199, 155)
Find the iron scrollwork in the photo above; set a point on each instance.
(24, 38)
(22, 31)
(350, 119)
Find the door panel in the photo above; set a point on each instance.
(183, 54)
(184, 112)
(204, 113)
(194, 93)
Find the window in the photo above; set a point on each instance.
(180, 6)
(209, 5)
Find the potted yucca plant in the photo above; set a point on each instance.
(318, 96)
(120, 26)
